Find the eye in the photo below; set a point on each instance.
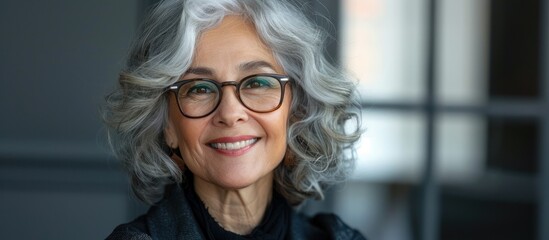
(197, 90)
(259, 82)
(200, 89)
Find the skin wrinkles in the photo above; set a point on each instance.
(236, 189)
(244, 67)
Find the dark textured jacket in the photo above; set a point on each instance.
(172, 218)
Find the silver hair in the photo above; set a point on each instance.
(320, 143)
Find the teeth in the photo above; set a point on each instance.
(233, 145)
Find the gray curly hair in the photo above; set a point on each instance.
(320, 143)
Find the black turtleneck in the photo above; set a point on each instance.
(273, 226)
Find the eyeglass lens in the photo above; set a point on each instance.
(200, 97)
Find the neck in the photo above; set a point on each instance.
(236, 210)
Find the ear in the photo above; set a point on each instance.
(177, 160)
(170, 135)
(289, 158)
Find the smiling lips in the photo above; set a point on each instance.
(233, 143)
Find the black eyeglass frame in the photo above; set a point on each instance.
(282, 79)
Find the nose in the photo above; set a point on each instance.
(230, 111)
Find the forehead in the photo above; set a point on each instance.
(231, 29)
(232, 42)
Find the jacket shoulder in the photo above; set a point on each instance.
(134, 230)
(322, 226)
(336, 227)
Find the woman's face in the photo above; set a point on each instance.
(230, 52)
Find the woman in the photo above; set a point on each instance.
(226, 115)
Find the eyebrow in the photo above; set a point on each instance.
(253, 65)
(200, 71)
(247, 66)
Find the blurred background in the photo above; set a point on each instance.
(455, 97)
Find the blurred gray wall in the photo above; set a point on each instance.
(59, 59)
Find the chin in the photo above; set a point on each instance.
(239, 181)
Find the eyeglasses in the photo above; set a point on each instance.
(200, 97)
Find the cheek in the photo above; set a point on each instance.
(278, 128)
(192, 151)
(285, 112)
(189, 133)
